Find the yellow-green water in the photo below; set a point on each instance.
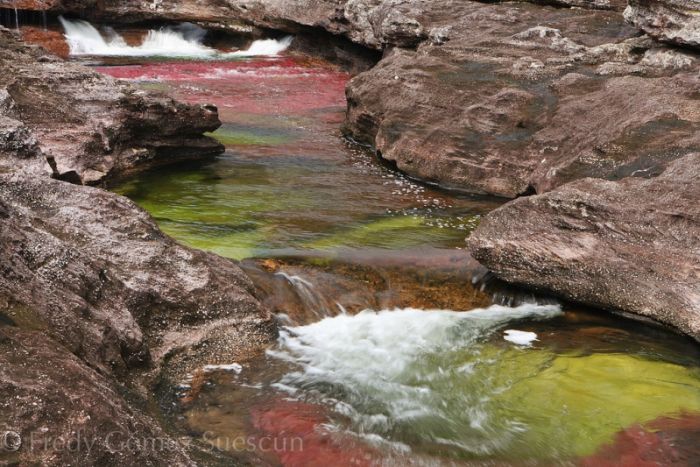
(408, 386)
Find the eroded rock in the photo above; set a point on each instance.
(673, 21)
(92, 269)
(91, 127)
(507, 106)
(631, 245)
(94, 298)
(55, 410)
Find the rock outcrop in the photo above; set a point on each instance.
(57, 411)
(93, 271)
(91, 127)
(94, 298)
(516, 98)
(673, 21)
(631, 245)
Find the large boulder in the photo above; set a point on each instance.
(91, 127)
(673, 21)
(92, 270)
(631, 245)
(512, 99)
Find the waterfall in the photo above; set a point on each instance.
(311, 299)
(16, 16)
(184, 40)
(265, 47)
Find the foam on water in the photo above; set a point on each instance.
(182, 41)
(264, 47)
(519, 337)
(443, 383)
(390, 369)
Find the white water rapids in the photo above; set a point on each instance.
(388, 371)
(180, 41)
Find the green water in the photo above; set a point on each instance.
(248, 203)
(439, 386)
(429, 388)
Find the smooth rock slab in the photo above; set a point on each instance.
(90, 127)
(631, 245)
(517, 98)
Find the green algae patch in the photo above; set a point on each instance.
(233, 138)
(570, 406)
(371, 234)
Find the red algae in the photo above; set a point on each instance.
(260, 86)
(665, 441)
(299, 438)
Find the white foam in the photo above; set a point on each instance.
(234, 367)
(182, 41)
(264, 47)
(400, 367)
(519, 337)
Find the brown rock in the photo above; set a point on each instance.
(50, 39)
(89, 126)
(92, 270)
(56, 411)
(94, 298)
(617, 5)
(673, 21)
(497, 103)
(631, 245)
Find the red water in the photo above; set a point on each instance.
(301, 103)
(262, 86)
(284, 421)
(663, 442)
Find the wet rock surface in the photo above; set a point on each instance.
(630, 245)
(90, 127)
(305, 291)
(673, 21)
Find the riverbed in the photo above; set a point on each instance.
(387, 381)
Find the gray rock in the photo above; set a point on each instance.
(91, 127)
(673, 21)
(507, 106)
(631, 245)
(94, 298)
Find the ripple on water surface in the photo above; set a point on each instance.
(431, 386)
(405, 385)
(288, 183)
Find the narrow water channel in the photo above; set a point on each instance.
(429, 382)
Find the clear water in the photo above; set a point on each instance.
(394, 387)
(436, 387)
(288, 183)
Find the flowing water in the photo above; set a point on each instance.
(522, 385)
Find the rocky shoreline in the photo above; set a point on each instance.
(94, 298)
(592, 122)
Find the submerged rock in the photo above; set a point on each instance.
(90, 127)
(673, 21)
(631, 245)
